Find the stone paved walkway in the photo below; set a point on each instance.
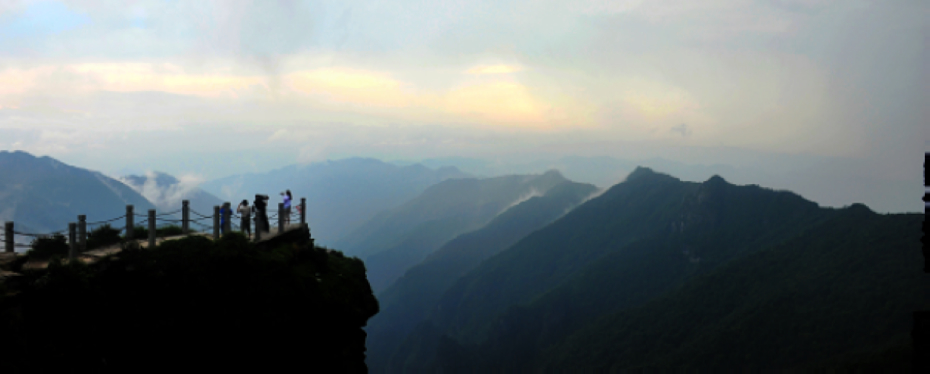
(96, 254)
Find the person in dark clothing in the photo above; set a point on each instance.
(261, 216)
(246, 213)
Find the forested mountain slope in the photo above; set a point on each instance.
(641, 238)
(399, 238)
(406, 302)
(840, 295)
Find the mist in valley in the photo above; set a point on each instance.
(491, 186)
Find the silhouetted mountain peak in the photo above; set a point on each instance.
(449, 170)
(165, 179)
(860, 208)
(553, 175)
(16, 157)
(44, 194)
(16, 154)
(642, 173)
(20, 165)
(712, 189)
(716, 180)
(639, 172)
(22, 156)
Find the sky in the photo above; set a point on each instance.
(207, 89)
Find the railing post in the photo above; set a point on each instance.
(303, 210)
(227, 217)
(130, 221)
(8, 236)
(280, 218)
(216, 222)
(185, 216)
(151, 228)
(82, 233)
(72, 240)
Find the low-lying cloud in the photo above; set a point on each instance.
(169, 196)
(533, 192)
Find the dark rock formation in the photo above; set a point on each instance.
(193, 304)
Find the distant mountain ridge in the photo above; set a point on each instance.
(43, 194)
(399, 238)
(341, 194)
(408, 300)
(637, 240)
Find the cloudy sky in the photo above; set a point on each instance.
(213, 88)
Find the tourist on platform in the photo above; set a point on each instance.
(246, 213)
(261, 215)
(287, 207)
(224, 210)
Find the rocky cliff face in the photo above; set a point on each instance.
(192, 303)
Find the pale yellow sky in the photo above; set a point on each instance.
(306, 81)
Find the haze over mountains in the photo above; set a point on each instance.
(341, 195)
(42, 195)
(407, 301)
(537, 272)
(399, 238)
(830, 181)
(167, 192)
(558, 298)
(523, 186)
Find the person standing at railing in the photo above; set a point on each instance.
(245, 212)
(287, 207)
(224, 210)
(261, 216)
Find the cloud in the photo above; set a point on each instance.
(232, 190)
(502, 101)
(122, 77)
(493, 69)
(682, 129)
(281, 134)
(497, 101)
(533, 192)
(166, 197)
(312, 153)
(599, 7)
(151, 80)
(344, 85)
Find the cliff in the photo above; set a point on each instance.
(192, 304)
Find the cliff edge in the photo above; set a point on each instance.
(192, 304)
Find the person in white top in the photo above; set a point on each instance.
(245, 212)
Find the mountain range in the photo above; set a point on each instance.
(341, 195)
(407, 301)
(42, 195)
(538, 273)
(840, 295)
(399, 238)
(603, 287)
